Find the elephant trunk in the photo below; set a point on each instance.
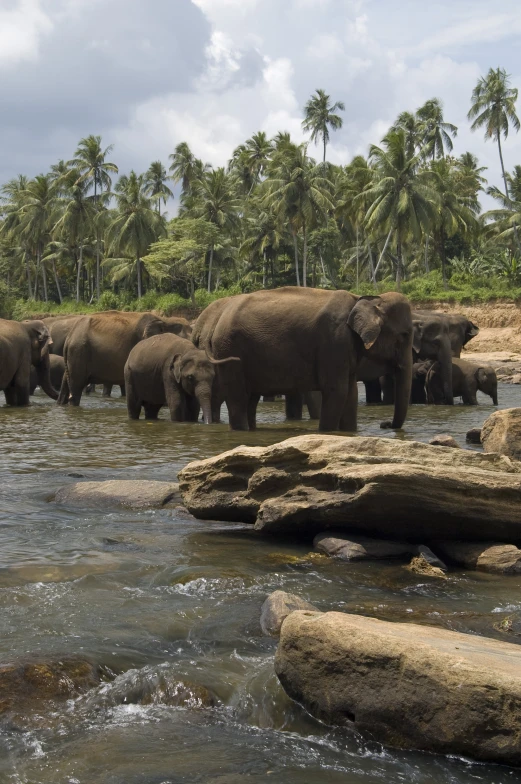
(43, 374)
(203, 393)
(494, 396)
(445, 360)
(402, 389)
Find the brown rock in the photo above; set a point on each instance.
(473, 435)
(420, 565)
(410, 686)
(276, 609)
(501, 433)
(379, 487)
(444, 440)
(516, 379)
(141, 494)
(22, 684)
(485, 556)
(360, 548)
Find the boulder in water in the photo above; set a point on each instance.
(276, 609)
(501, 433)
(444, 440)
(484, 556)
(360, 548)
(473, 435)
(420, 565)
(409, 686)
(129, 493)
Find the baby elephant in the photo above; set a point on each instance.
(467, 378)
(169, 370)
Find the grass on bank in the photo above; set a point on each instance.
(428, 288)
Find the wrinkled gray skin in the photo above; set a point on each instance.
(467, 378)
(98, 347)
(56, 369)
(461, 331)
(202, 332)
(169, 370)
(294, 340)
(23, 344)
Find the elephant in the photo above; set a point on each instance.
(98, 346)
(56, 369)
(467, 378)
(168, 369)
(461, 330)
(59, 327)
(202, 332)
(419, 375)
(23, 344)
(297, 340)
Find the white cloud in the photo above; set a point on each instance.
(20, 30)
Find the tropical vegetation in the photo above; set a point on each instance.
(408, 216)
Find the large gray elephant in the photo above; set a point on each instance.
(169, 370)
(56, 370)
(467, 378)
(296, 340)
(98, 346)
(23, 344)
(59, 327)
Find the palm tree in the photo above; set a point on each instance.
(214, 200)
(494, 109)
(255, 156)
(12, 196)
(320, 117)
(186, 168)
(36, 219)
(437, 132)
(414, 130)
(300, 196)
(135, 224)
(508, 216)
(401, 199)
(155, 180)
(90, 162)
(77, 220)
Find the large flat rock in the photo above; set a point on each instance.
(375, 486)
(501, 433)
(407, 685)
(128, 493)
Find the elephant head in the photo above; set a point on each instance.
(41, 341)
(461, 330)
(385, 327)
(432, 341)
(194, 371)
(486, 379)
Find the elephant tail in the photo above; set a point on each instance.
(221, 361)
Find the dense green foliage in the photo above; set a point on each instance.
(408, 216)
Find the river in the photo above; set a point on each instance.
(158, 595)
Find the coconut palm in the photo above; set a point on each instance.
(401, 198)
(155, 184)
(90, 161)
(186, 168)
(77, 220)
(36, 219)
(436, 132)
(414, 130)
(494, 109)
(12, 196)
(507, 217)
(299, 195)
(320, 117)
(135, 225)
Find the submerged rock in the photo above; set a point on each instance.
(485, 556)
(420, 565)
(22, 684)
(501, 433)
(132, 494)
(444, 440)
(360, 548)
(409, 686)
(370, 486)
(473, 435)
(276, 609)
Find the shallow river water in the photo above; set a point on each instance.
(157, 595)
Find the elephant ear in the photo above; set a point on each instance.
(417, 335)
(175, 367)
(154, 327)
(471, 332)
(366, 320)
(40, 333)
(481, 376)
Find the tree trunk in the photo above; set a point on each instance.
(323, 269)
(295, 247)
(383, 252)
(97, 241)
(305, 258)
(399, 263)
(325, 143)
(28, 270)
(264, 269)
(78, 276)
(371, 264)
(357, 260)
(210, 270)
(138, 267)
(192, 292)
(56, 280)
(516, 235)
(427, 270)
(44, 277)
(443, 257)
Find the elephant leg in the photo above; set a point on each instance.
(192, 409)
(175, 403)
(333, 404)
(233, 385)
(348, 420)
(63, 397)
(387, 389)
(151, 410)
(373, 392)
(107, 390)
(21, 388)
(133, 404)
(122, 390)
(252, 411)
(294, 403)
(90, 388)
(314, 404)
(469, 395)
(10, 396)
(268, 398)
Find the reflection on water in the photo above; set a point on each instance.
(171, 604)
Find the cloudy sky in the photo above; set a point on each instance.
(147, 74)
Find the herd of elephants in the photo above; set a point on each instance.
(310, 345)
